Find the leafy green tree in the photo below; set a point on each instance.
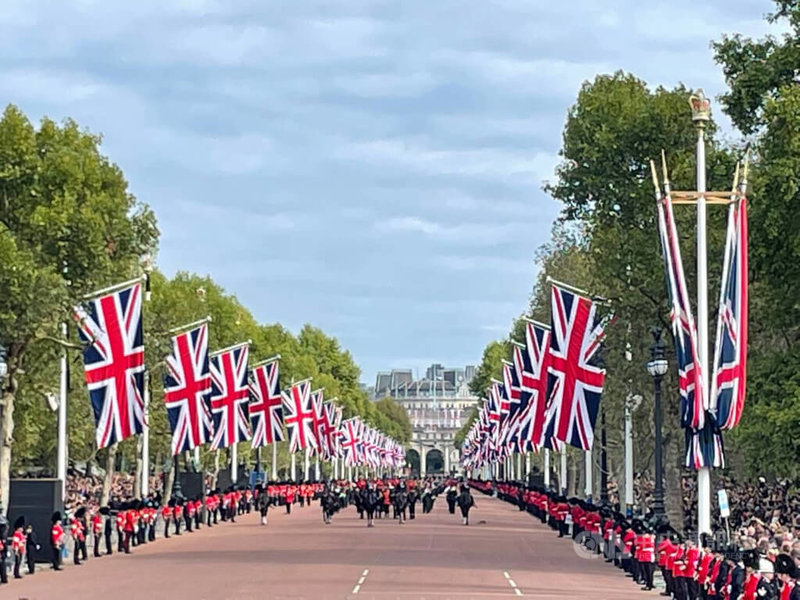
(396, 418)
(67, 226)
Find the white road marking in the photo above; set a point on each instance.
(361, 580)
(512, 583)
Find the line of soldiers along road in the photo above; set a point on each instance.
(711, 571)
(125, 525)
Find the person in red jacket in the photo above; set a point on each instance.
(166, 515)
(18, 546)
(78, 536)
(177, 515)
(131, 519)
(647, 557)
(96, 523)
(56, 540)
(119, 521)
(289, 498)
(189, 515)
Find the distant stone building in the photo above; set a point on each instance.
(436, 411)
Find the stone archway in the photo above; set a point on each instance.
(434, 462)
(412, 458)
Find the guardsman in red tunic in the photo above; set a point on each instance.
(177, 515)
(209, 508)
(166, 515)
(120, 523)
(56, 540)
(289, 498)
(78, 537)
(189, 515)
(18, 546)
(129, 529)
(96, 522)
(786, 572)
(647, 558)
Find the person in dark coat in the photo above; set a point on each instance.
(412, 503)
(262, 503)
(370, 501)
(108, 527)
(31, 547)
(400, 503)
(328, 504)
(452, 495)
(465, 503)
(3, 548)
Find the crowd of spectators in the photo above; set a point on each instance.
(85, 490)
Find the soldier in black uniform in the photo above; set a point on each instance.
(400, 503)
(370, 502)
(465, 503)
(412, 503)
(328, 504)
(451, 496)
(107, 527)
(31, 547)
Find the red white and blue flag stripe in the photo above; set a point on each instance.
(187, 384)
(229, 396)
(113, 358)
(266, 407)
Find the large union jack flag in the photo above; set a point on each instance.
(187, 384)
(266, 407)
(350, 440)
(318, 424)
(298, 416)
(113, 358)
(230, 395)
(730, 361)
(575, 382)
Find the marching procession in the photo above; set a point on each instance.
(122, 526)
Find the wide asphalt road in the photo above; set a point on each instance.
(503, 553)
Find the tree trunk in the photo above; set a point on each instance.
(109, 476)
(169, 481)
(216, 470)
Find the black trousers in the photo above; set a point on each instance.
(55, 557)
(120, 541)
(76, 551)
(648, 568)
(108, 542)
(412, 508)
(31, 563)
(166, 528)
(96, 550)
(17, 565)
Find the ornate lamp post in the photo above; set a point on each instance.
(657, 367)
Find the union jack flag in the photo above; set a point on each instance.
(187, 384)
(730, 364)
(113, 360)
(230, 395)
(317, 404)
(333, 421)
(350, 440)
(533, 382)
(575, 383)
(299, 416)
(266, 410)
(703, 443)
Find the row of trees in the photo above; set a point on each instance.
(606, 241)
(68, 226)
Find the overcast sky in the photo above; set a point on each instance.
(370, 167)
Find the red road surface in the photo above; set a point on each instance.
(503, 554)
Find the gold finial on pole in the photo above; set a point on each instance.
(746, 168)
(664, 167)
(735, 187)
(701, 108)
(654, 173)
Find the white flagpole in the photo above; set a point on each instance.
(316, 467)
(350, 472)
(274, 461)
(61, 454)
(146, 437)
(294, 467)
(563, 476)
(527, 464)
(628, 456)
(197, 457)
(588, 484)
(234, 463)
(305, 466)
(703, 474)
(546, 468)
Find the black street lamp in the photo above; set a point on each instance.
(177, 492)
(657, 367)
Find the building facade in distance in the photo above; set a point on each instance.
(437, 406)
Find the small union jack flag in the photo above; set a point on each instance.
(349, 435)
(187, 384)
(575, 383)
(533, 382)
(298, 416)
(113, 359)
(266, 407)
(317, 404)
(229, 396)
(730, 364)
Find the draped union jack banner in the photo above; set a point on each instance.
(230, 395)
(187, 384)
(703, 443)
(298, 416)
(730, 361)
(575, 383)
(266, 407)
(113, 360)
